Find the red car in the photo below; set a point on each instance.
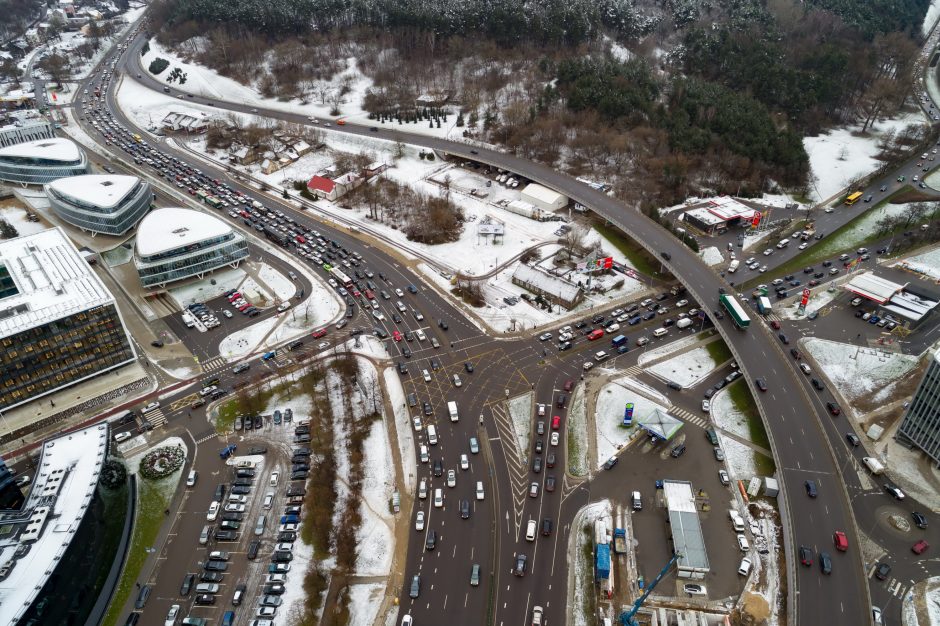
(775, 324)
(920, 547)
(597, 333)
(569, 384)
(840, 541)
(556, 423)
(396, 336)
(319, 333)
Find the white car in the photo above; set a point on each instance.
(238, 499)
(706, 406)
(767, 252)
(681, 303)
(276, 578)
(451, 478)
(541, 410)
(227, 313)
(150, 407)
(416, 420)
(423, 489)
(213, 511)
(464, 462)
(272, 482)
(235, 508)
(743, 544)
(555, 438)
(205, 391)
(804, 245)
(545, 336)
(399, 293)
(419, 521)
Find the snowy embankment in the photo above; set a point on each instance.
(858, 371)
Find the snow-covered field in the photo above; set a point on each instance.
(406, 442)
(686, 369)
(611, 435)
(818, 299)
(927, 263)
(839, 156)
(655, 354)
(577, 435)
(375, 535)
(859, 371)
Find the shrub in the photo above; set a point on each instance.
(158, 65)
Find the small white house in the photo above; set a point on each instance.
(543, 197)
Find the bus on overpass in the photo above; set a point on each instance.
(735, 310)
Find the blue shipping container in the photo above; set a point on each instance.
(602, 561)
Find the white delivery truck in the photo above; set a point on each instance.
(783, 243)
(734, 266)
(685, 322)
(452, 410)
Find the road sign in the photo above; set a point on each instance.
(628, 414)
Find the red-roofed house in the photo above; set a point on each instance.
(328, 189)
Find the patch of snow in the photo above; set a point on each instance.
(577, 436)
(858, 371)
(654, 354)
(930, 19)
(611, 435)
(841, 155)
(520, 414)
(364, 602)
(406, 443)
(726, 416)
(927, 263)
(739, 459)
(16, 216)
(284, 288)
(686, 369)
(712, 256)
(583, 570)
(376, 541)
(247, 340)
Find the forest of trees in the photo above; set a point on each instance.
(712, 96)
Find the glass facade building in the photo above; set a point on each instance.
(59, 325)
(41, 162)
(108, 218)
(921, 424)
(174, 244)
(42, 359)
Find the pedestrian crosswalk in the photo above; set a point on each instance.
(155, 417)
(688, 416)
(773, 317)
(633, 370)
(214, 364)
(897, 588)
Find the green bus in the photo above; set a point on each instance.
(735, 310)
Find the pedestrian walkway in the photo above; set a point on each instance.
(155, 417)
(687, 416)
(214, 364)
(895, 587)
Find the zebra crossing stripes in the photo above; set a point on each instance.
(213, 364)
(688, 416)
(155, 417)
(633, 370)
(895, 587)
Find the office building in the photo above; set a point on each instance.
(42, 161)
(109, 205)
(26, 130)
(921, 424)
(174, 244)
(59, 325)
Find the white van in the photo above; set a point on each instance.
(191, 479)
(600, 356)
(530, 530)
(637, 501)
(734, 266)
(432, 434)
(479, 490)
(660, 332)
(438, 498)
(783, 243)
(425, 458)
(423, 489)
(452, 410)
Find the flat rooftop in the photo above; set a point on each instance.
(167, 229)
(686, 528)
(69, 467)
(57, 149)
(100, 190)
(50, 280)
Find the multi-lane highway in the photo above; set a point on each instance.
(802, 434)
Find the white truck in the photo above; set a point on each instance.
(734, 266)
(452, 410)
(874, 465)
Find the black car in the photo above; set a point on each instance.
(853, 439)
(537, 464)
(825, 563)
(301, 451)
(550, 460)
(464, 509)
(468, 366)
(227, 535)
(232, 516)
(427, 408)
(919, 520)
(187, 585)
(678, 451)
(430, 541)
(519, 569)
(783, 338)
(882, 571)
(287, 536)
(806, 556)
(546, 527)
(818, 385)
(253, 548)
(438, 467)
(796, 353)
(539, 446)
(142, 596)
(834, 408)
(761, 384)
(205, 599)
(211, 577)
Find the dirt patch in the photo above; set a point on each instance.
(753, 612)
(910, 195)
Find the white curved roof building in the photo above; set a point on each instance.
(106, 204)
(42, 161)
(174, 244)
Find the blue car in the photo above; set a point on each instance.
(227, 451)
(874, 319)
(635, 320)
(267, 356)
